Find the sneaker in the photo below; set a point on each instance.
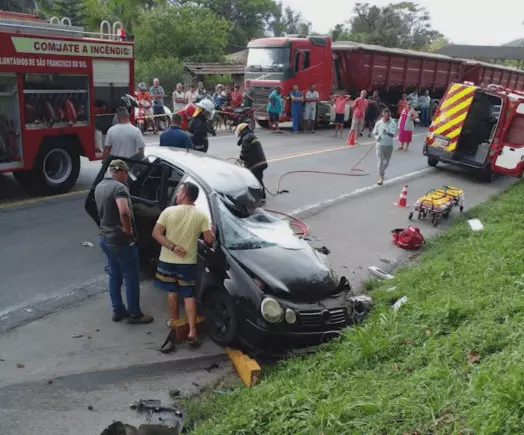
(142, 320)
(380, 181)
(117, 317)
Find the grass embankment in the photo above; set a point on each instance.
(450, 361)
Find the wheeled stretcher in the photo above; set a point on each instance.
(438, 203)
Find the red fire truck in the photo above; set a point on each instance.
(59, 90)
(350, 67)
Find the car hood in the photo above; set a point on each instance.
(292, 274)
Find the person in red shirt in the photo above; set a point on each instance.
(340, 109)
(186, 113)
(402, 104)
(236, 97)
(360, 106)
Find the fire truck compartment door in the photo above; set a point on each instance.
(111, 72)
(447, 124)
(509, 159)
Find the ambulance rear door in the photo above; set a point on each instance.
(447, 124)
(509, 151)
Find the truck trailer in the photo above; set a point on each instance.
(59, 90)
(349, 67)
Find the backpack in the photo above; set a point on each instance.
(409, 238)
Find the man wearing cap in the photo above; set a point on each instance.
(118, 236)
(123, 139)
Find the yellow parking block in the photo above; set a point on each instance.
(248, 369)
(181, 327)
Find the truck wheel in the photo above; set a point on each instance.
(487, 175)
(56, 169)
(432, 161)
(263, 123)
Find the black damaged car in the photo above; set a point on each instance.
(259, 284)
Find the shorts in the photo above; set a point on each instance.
(357, 124)
(274, 116)
(310, 113)
(158, 110)
(339, 118)
(176, 278)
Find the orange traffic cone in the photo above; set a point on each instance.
(352, 138)
(403, 199)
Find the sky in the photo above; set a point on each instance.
(462, 21)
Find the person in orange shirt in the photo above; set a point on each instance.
(142, 93)
(236, 97)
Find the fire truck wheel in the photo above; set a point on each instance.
(263, 123)
(56, 169)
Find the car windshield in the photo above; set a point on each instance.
(260, 230)
(268, 59)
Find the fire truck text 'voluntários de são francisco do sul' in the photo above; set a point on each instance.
(59, 90)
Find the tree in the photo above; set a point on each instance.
(340, 33)
(287, 22)
(20, 6)
(247, 19)
(185, 32)
(437, 44)
(400, 25)
(76, 11)
(169, 70)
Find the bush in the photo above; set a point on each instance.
(169, 70)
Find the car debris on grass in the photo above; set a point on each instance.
(449, 361)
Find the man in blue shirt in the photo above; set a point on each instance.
(274, 109)
(174, 136)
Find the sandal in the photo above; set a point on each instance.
(194, 341)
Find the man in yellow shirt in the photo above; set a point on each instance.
(178, 229)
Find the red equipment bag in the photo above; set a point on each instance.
(409, 238)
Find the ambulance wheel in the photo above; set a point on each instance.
(487, 175)
(432, 161)
(411, 216)
(56, 166)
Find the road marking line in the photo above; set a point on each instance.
(357, 192)
(271, 160)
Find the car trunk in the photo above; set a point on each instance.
(479, 128)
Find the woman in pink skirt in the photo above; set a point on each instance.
(406, 125)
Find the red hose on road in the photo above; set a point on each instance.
(302, 229)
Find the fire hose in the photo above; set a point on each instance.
(302, 229)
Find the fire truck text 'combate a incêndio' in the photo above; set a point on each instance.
(59, 90)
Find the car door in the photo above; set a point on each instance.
(148, 185)
(208, 256)
(509, 154)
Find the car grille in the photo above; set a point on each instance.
(333, 316)
(260, 97)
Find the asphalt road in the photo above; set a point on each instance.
(42, 257)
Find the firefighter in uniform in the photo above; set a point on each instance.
(252, 154)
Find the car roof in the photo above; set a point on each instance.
(220, 175)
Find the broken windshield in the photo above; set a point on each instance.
(273, 59)
(259, 230)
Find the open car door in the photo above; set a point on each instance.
(509, 154)
(148, 186)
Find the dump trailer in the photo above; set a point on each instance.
(349, 67)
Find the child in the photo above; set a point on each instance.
(340, 109)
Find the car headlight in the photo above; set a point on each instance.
(271, 310)
(290, 316)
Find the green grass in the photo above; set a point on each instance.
(414, 371)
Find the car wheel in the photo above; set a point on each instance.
(432, 161)
(220, 315)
